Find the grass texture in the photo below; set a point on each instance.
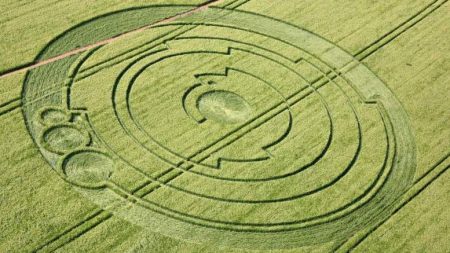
(247, 126)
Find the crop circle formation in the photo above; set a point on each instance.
(224, 127)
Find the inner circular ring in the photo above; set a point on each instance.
(187, 159)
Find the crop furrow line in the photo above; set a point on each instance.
(399, 30)
(10, 106)
(76, 230)
(434, 173)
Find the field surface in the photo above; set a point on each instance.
(225, 126)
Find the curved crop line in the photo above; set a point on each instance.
(141, 128)
(43, 52)
(116, 112)
(284, 175)
(227, 69)
(98, 64)
(255, 32)
(46, 130)
(75, 72)
(298, 74)
(146, 52)
(146, 202)
(272, 51)
(183, 103)
(129, 90)
(258, 55)
(389, 175)
(296, 196)
(346, 170)
(267, 35)
(287, 107)
(290, 121)
(122, 158)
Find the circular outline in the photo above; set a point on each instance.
(54, 108)
(63, 162)
(86, 137)
(403, 135)
(190, 161)
(244, 102)
(347, 168)
(333, 181)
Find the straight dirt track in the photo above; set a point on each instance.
(37, 64)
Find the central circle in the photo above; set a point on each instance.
(224, 107)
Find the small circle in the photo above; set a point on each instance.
(88, 167)
(52, 116)
(224, 107)
(64, 138)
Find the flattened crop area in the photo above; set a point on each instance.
(232, 126)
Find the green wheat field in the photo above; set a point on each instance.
(225, 126)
